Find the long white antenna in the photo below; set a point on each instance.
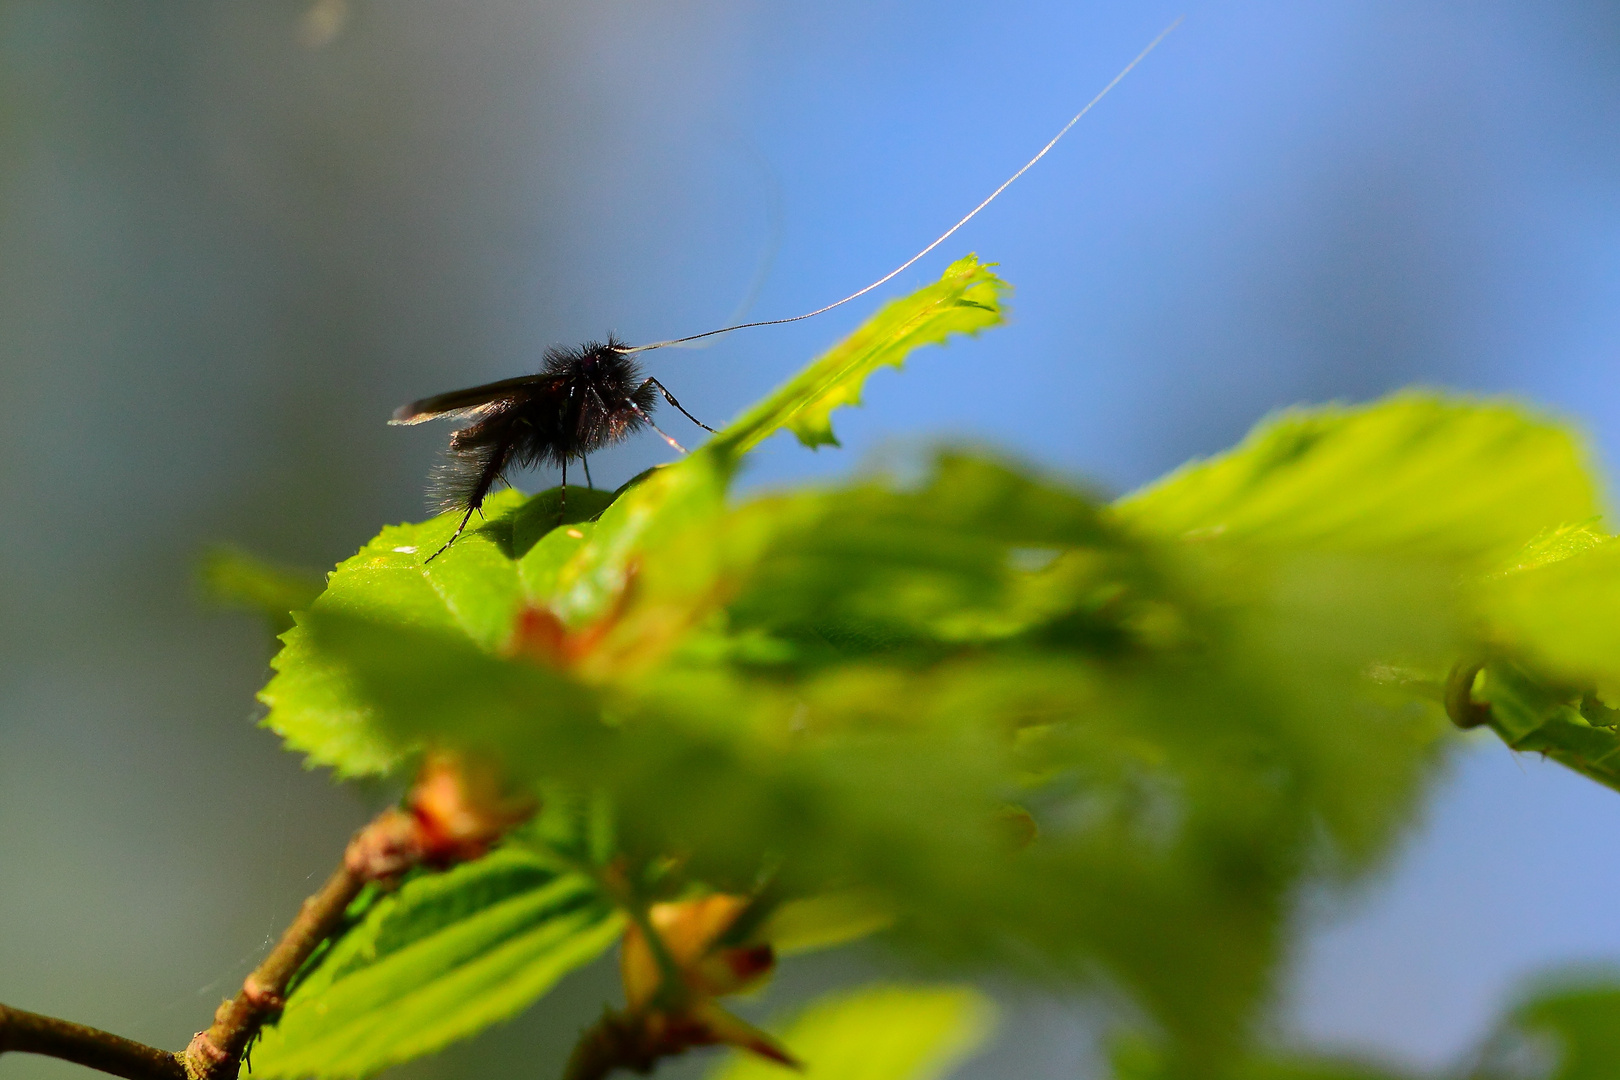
(946, 235)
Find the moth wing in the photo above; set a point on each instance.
(458, 404)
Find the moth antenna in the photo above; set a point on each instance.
(948, 233)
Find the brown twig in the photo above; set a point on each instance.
(382, 850)
(30, 1033)
(456, 812)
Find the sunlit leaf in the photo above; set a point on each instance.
(1415, 473)
(440, 959)
(968, 298)
(980, 633)
(821, 922)
(878, 1033)
(1555, 606)
(1571, 726)
(471, 592)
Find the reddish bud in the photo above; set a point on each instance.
(462, 808)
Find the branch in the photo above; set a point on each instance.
(457, 810)
(31, 1033)
(383, 849)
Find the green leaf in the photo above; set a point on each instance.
(476, 588)
(1570, 726)
(1568, 1029)
(878, 1033)
(1555, 604)
(1137, 1058)
(1414, 474)
(825, 921)
(471, 593)
(233, 578)
(1186, 733)
(1552, 674)
(685, 498)
(967, 298)
(425, 685)
(439, 960)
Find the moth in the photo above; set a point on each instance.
(581, 400)
(589, 397)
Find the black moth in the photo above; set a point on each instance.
(582, 400)
(594, 396)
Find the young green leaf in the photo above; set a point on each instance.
(967, 298)
(233, 578)
(1414, 474)
(439, 960)
(1555, 607)
(879, 1033)
(472, 593)
(1534, 715)
(1136, 1058)
(1570, 1028)
(825, 921)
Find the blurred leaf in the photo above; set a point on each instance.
(1135, 1058)
(1569, 1029)
(980, 552)
(979, 634)
(440, 959)
(1555, 606)
(686, 498)
(1415, 474)
(429, 685)
(840, 691)
(1551, 673)
(878, 1033)
(821, 922)
(232, 578)
(966, 299)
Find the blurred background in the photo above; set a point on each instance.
(233, 236)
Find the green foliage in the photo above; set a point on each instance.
(1417, 474)
(879, 1033)
(1550, 657)
(1568, 1029)
(967, 299)
(1569, 725)
(1138, 1058)
(442, 958)
(1555, 600)
(472, 594)
(232, 578)
(1011, 726)
(1565, 1028)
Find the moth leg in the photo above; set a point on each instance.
(464, 519)
(586, 461)
(639, 411)
(562, 505)
(669, 397)
(492, 470)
